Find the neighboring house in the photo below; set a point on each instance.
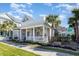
(65, 31)
(62, 31)
(32, 30)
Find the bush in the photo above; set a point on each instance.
(13, 40)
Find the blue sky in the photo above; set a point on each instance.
(38, 10)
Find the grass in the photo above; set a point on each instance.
(76, 53)
(6, 50)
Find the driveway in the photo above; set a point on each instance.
(34, 48)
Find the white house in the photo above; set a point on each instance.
(32, 30)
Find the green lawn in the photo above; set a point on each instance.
(6, 50)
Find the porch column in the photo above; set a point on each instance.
(33, 34)
(43, 32)
(9, 33)
(50, 33)
(26, 34)
(20, 35)
(13, 34)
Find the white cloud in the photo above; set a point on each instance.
(20, 10)
(62, 17)
(48, 4)
(64, 9)
(43, 15)
(22, 5)
(31, 10)
(66, 6)
(29, 3)
(14, 6)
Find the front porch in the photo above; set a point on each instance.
(36, 34)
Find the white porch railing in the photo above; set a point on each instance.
(37, 38)
(30, 38)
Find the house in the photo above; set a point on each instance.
(32, 30)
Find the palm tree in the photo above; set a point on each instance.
(53, 20)
(74, 22)
(57, 23)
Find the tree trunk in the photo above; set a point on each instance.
(52, 33)
(77, 37)
(75, 31)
